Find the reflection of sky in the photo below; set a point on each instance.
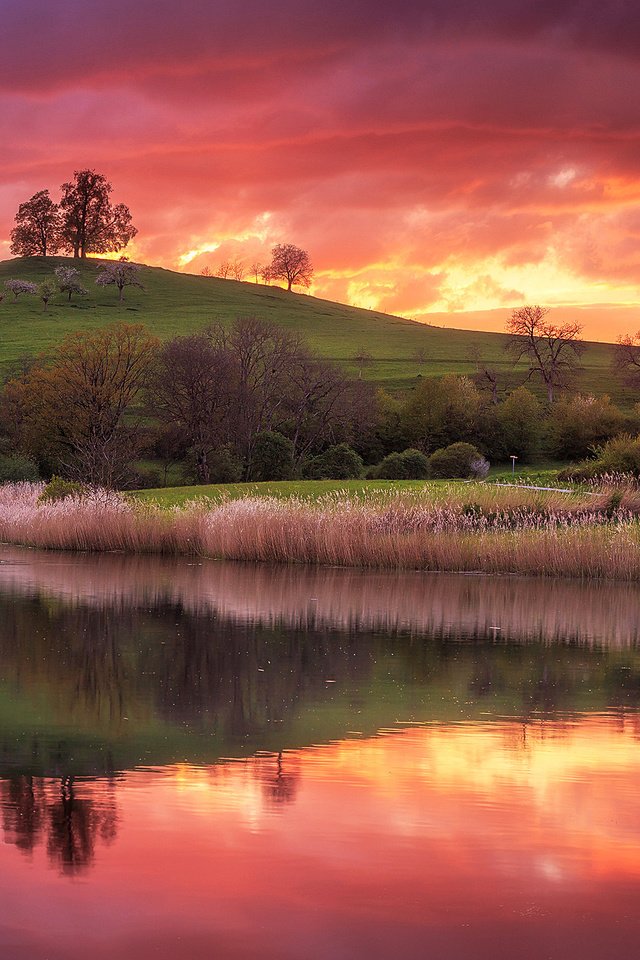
(463, 839)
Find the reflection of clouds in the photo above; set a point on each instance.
(447, 605)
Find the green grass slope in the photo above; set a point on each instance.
(176, 303)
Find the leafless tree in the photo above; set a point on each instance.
(290, 263)
(256, 270)
(224, 270)
(486, 376)
(238, 269)
(190, 391)
(262, 355)
(206, 272)
(626, 358)
(552, 351)
(362, 358)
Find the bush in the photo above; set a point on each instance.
(456, 460)
(620, 456)
(16, 467)
(272, 457)
(337, 463)
(58, 489)
(225, 466)
(409, 465)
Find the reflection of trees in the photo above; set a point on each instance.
(279, 776)
(243, 687)
(36, 811)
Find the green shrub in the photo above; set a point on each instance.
(409, 465)
(621, 455)
(337, 463)
(58, 489)
(225, 466)
(272, 457)
(16, 467)
(456, 460)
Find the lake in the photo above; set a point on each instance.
(206, 760)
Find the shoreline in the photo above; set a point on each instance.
(506, 532)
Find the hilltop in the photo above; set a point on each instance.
(177, 303)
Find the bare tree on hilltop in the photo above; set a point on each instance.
(552, 350)
(289, 263)
(90, 223)
(37, 229)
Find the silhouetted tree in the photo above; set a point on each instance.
(37, 229)
(289, 263)
(626, 358)
(90, 223)
(552, 350)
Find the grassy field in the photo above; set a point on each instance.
(314, 490)
(175, 303)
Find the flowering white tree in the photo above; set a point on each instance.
(17, 287)
(69, 281)
(121, 274)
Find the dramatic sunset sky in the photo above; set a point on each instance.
(433, 156)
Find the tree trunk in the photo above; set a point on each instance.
(289, 285)
(550, 392)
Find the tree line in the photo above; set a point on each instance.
(251, 401)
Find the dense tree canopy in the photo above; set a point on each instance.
(90, 223)
(37, 229)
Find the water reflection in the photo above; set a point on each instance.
(239, 761)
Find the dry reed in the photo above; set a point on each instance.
(479, 529)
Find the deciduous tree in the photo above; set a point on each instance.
(76, 408)
(121, 274)
(552, 351)
(37, 229)
(69, 281)
(191, 390)
(90, 223)
(18, 287)
(289, 263)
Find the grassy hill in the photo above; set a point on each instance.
(176, 303)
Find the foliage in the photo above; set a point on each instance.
(442, 411)
(578, 424)
(121, 274)
(18, 287)
(16, 467)
(519, 426)
(289, 263)
(58, 489)
(410, 464)
(90, 223)
(75, 409)
(340, 462)
(37, 229)
(456, 460)
(551, 350)
(272, 457)
(618, 456)
(225, 466)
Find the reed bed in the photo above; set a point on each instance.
(477, 529)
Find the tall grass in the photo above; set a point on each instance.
(478, 529)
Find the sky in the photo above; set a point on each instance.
(445, 160)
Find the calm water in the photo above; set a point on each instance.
(211, 760)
